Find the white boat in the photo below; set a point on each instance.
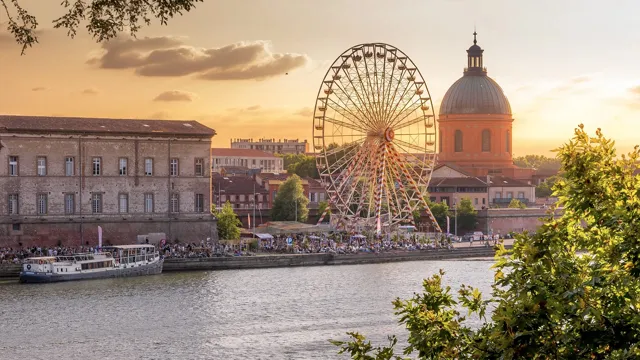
(111, 262)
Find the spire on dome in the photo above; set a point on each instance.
(474, 58)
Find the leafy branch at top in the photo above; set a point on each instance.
(105, 18)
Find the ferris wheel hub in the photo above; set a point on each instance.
(389, 134)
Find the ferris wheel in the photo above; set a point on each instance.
(375, 139)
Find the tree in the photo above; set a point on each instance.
(228, 223)
(105, 18)
(570, 291)
(539, 162)
(467, 215)
(545, 189)
(517, 204)
(289, 197)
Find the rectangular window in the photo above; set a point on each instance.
(476, 201)
(122, 166)
(173, 167)
(148, 167)
(199, 203)
(69, 167)
(41, 204)
(96, 166)
(498, 195)
(148, 203)
(42, 165)
(123, 203)
(13, 204)
(174, 203)
(96, 203)
(199, 170)
(13, 166)
(520, 195)
(69, 204)
(484, 201)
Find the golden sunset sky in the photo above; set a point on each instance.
(560, 63)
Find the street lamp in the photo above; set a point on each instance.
(455, 221)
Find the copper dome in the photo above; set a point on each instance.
(475, 95)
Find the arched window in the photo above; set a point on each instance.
(440, 140)
(508, 141)
(486, 140)
(458, 141)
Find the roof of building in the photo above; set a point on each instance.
(452, 166)
(251, 153)
(466, 181)
(271, 176)
(314, 183)
(237, 185)
(475, 95)
(501, 181)
(475, 92)
(78, 125)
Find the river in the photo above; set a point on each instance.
(285, 313)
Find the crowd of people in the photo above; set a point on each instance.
(14, 255)
(280, 244)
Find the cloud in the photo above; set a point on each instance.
(171, 57)
(90, 91)
(159, 115)
(175, 95)
(39, 88)
(304, 112)
(635, 90)
(572, 84)
(254, 107)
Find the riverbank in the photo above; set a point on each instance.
(11, 271)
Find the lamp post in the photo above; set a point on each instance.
(254, 208)
(455, 220)
(296, 209)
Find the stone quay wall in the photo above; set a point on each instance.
(116, 231)
(295, 260)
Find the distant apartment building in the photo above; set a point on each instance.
(248, 158)
(61, 178)
(241, 191)
(279, 146)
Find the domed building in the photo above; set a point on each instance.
(475, 123)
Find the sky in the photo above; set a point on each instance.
(252, 69)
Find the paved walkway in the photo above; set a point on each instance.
(465, 244)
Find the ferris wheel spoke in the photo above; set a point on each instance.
(370, 89)
(416, 175)
(345, 112)
(403, 95)
(407, 109)
(365, 114)
(365, 93)
(405, 145)
(345, 124)
(417, 120)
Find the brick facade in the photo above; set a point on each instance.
(68, 181)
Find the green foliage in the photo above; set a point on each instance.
(106, 18)
(228, 223)
(571, 291)
(467, 215)
(539, 162)
(284, 205)
(545, 189)
(440, 212)
(517, 204)
(301, 165)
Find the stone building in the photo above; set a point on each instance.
(62, 177)
(279, 146)
(476, 123)
(252, 159)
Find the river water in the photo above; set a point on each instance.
(285, 313)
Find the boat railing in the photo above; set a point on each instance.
(137, 258)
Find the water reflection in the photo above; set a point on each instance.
(258, 314)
